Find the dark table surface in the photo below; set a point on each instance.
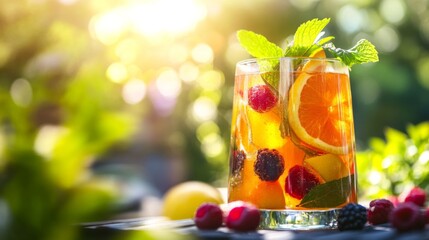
(103, 230)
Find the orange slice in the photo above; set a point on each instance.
(319, 110)
(318, 54)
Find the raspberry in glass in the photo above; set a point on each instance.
(261, 98)
(300, 181)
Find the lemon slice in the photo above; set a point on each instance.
(329, 166)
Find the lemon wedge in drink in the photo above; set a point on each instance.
(329, 166)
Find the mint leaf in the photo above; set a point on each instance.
(307, 38)
(308, 32)
(257, 45)
(330, 194)
(362, 52)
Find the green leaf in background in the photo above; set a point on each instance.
(395, 163)
(330, 194)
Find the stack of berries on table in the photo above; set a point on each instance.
(406, 213)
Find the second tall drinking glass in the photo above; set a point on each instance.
(292, 141)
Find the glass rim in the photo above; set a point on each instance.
(255, 60)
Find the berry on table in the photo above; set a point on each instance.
(242, 217)
(379, 210)
(407, 217)
(208, 216)
(353, 216)
(300, 181)
(415, 195)
(261, 98)
(269, 164)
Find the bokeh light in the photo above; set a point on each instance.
(169, 84)
(202, 53)
(117, 72)
(393, 10)
(21, 92)
(204, 109)
(134, 91)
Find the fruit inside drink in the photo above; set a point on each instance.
(292, 142)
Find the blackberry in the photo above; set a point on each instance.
(269, 165)
(352, 217)
(237, 163)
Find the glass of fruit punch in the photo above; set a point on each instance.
(292, 134)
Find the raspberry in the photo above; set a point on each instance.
(426, 213)
(394, 200)
(300, 181)
(261, 98)
(407, 217)
(238, 157)
(269, 164)
(242, 217)
(352, 217)
(415, 195)
(208, 216)
(379, 210)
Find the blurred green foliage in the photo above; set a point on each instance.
(391, 165)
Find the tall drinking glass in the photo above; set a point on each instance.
(292, 141)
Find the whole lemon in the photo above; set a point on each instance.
(182, 200)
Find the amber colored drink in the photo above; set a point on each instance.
(292, 141)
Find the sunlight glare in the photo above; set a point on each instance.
(108, 27)
(165, 16)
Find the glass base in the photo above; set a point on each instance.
(298, 219)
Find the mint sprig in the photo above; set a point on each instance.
(307, 40)
(362, 52)
(257, 45)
